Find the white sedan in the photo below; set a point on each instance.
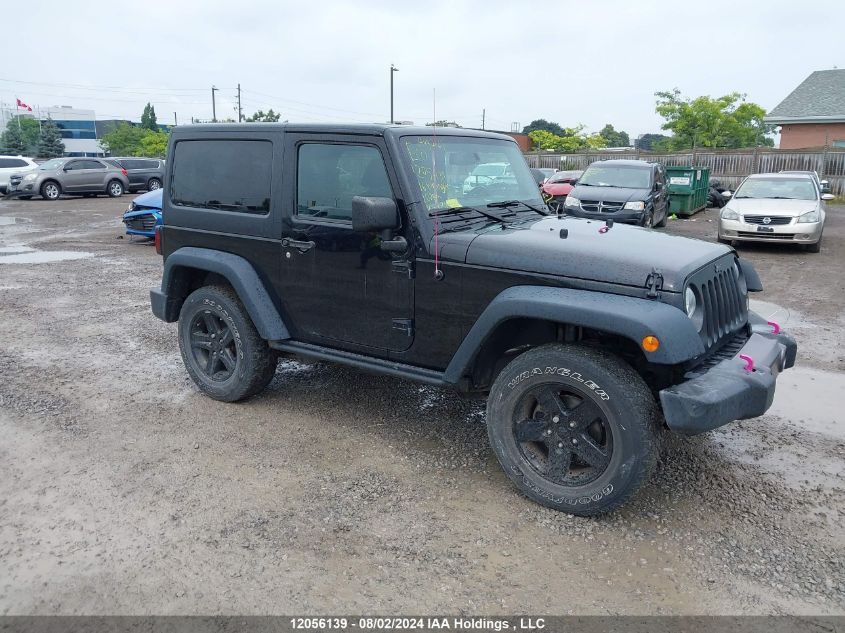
(775, 208)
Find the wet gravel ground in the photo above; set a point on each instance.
(123, 490)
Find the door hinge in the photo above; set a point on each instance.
(404, 325)
(403, 267)
(654, 283)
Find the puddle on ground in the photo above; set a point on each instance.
(811, 399)
(33, 256)
(15, 249)
(785, 317)
(6, 221)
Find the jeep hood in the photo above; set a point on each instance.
(608, 194)
(623, 255)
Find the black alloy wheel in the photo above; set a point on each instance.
(563, 434)
(214, 346)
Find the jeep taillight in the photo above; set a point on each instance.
(158, 239)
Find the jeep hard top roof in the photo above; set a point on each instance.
(379, 129)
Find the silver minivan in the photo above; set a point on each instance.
(74, 176)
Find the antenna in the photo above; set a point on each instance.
(438, 274)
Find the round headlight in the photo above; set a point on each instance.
(690, 302)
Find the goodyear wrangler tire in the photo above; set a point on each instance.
(574, 428)
(222, 351)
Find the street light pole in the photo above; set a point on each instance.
(213, 105)
(393, 69)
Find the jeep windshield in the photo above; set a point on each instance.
(454, 172)
(617, 176)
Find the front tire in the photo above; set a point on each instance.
(222, 351)
(662, 223)
(51, 190)
(153, 184)
(814, 248)
(115, 189)
(648, 220)
(574, 428)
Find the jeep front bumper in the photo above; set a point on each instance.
(728, 391)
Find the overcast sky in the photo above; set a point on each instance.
(572, 62)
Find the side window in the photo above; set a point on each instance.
(10, 163)
(329, 176)
(92, 164)
(74, 165)
(146, 164)
(225, 175)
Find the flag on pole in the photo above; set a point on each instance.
(21, 104)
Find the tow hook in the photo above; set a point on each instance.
(607, 226)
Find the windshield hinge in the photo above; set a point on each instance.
(654, 283)
(403, 267)
(404, 325)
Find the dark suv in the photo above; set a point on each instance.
(145, 174)
(366, 246)
(631, 191)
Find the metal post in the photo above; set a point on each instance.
(240, 112)
(393, 69)
(213, 105)
(483, 117)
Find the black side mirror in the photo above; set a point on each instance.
(374, 214)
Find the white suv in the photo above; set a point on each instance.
(14, 165)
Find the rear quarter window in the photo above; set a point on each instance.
(223, 175)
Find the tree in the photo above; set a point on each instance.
(148, 118)
(50, 145)
(443, 123)
(153, 145)
(727, 121)
(614, 138)
(572, 140)
(266, 117)
(13, 141)
(546, 126)
(129, 140)
(646, 142)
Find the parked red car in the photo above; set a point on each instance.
(556, 188)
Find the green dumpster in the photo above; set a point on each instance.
(688, 189)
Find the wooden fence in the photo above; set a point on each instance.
(728, 166)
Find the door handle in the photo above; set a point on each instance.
(300, 245)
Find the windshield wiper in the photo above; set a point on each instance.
(456, 210)
(506, 204)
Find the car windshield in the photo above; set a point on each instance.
(454, 171)
(50, 165)
(784, 188)
(617, 176)
(566, 176)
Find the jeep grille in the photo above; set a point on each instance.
(723, 297)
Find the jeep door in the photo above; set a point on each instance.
(341, 289)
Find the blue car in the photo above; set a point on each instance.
(144, 214)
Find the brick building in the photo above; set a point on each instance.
(813, 115)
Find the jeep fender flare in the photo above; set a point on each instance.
(630, 317)
(237, 271)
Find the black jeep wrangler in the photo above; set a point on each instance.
(374, 246)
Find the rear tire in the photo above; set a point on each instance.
(115, 189)
(222, 351)
(51, 190)
(574, 428)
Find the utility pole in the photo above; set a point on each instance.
(213, 105)
(175, 120)
(483, 117)
(240, 112)
(393, 69)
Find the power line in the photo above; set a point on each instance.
(137, 89)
